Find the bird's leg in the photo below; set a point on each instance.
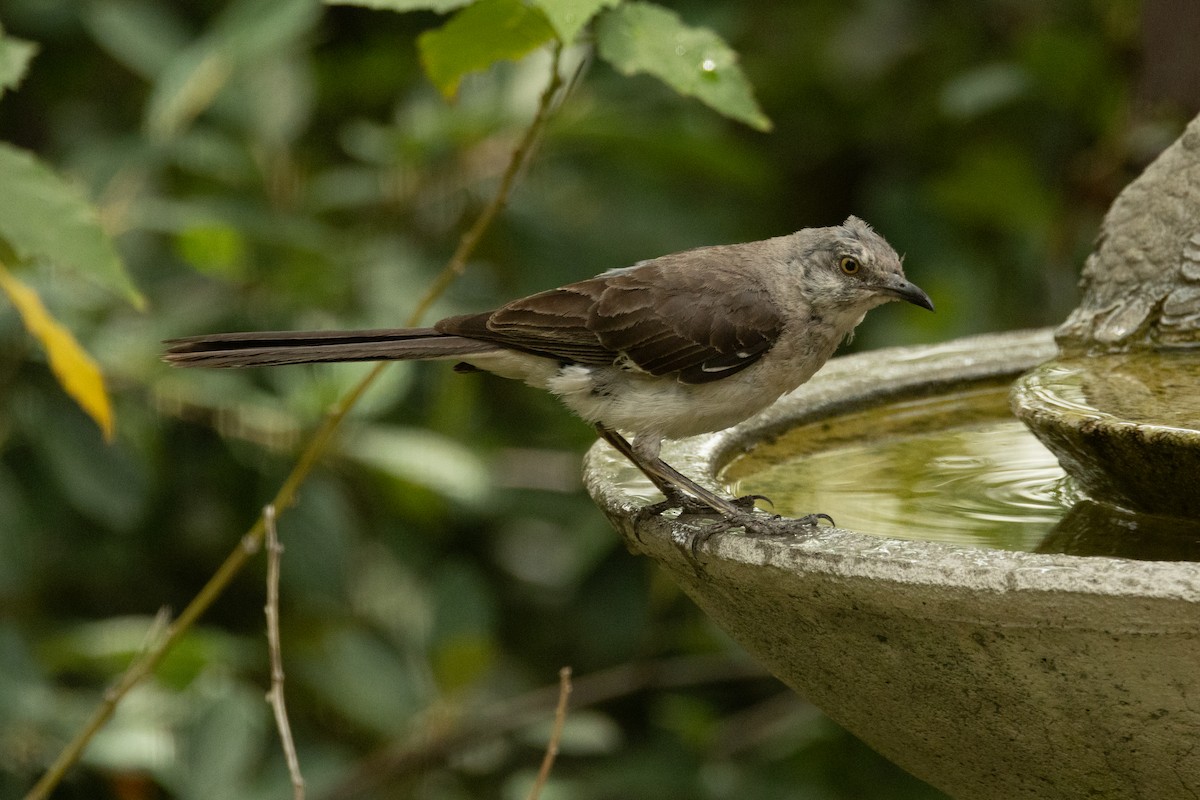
(679, 490)
(713, 501)
(682, 492)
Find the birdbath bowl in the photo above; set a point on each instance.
(1101, 413)
(988, 672)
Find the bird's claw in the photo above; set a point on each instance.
(741, 513)
(754, 525)
(747, 501)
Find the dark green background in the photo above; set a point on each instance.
(445, 559)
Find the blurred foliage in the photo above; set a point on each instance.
(43, 219)
(278, 164)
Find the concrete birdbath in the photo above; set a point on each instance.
(996, 624)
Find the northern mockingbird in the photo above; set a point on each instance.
(675, 346)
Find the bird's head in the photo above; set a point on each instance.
(851, 268)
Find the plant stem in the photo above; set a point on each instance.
(521, 155)
(252, 540)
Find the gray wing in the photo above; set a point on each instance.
(684, 316)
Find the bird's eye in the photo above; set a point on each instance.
(849, 265)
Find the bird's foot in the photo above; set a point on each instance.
(747, 502)
(725, 514)
(754, 525)
(694, 506)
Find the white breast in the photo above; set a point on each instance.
(651, 408)
(645, 406)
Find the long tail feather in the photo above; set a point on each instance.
(270, 348)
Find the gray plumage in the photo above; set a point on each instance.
(674, 346)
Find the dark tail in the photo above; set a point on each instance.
(271, 348)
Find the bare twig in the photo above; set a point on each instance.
(248, 546)
(252, 540)
(275, 694)
(560, 719)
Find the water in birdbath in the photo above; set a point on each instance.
(956, 468)
(1153, 389)
(1126, 425)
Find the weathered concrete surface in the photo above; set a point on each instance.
(989, 674)
(1126, 422)
(1141, 285)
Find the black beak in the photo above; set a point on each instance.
(906, 290)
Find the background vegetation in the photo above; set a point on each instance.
(443, 563)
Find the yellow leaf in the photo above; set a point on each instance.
(75, 370)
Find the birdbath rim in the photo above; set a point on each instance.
(852, 383)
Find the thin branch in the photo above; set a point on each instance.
(286, 496)
(250, 543)
(560, 719)
(275, 695)
(520, 157)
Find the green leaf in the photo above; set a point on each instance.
(141, 34)
(983, 89)
(44, 217)
(459, 661)
(184, 89)
(403, 5)
(246, 32)
(15, 55)
(570, 16)
(214, 248)
(103, 647)
(642, 37)
(254, 29)
(224, 741)
(479, 36)
(424, 458)
(345, 675)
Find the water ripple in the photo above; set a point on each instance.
(987, 485)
